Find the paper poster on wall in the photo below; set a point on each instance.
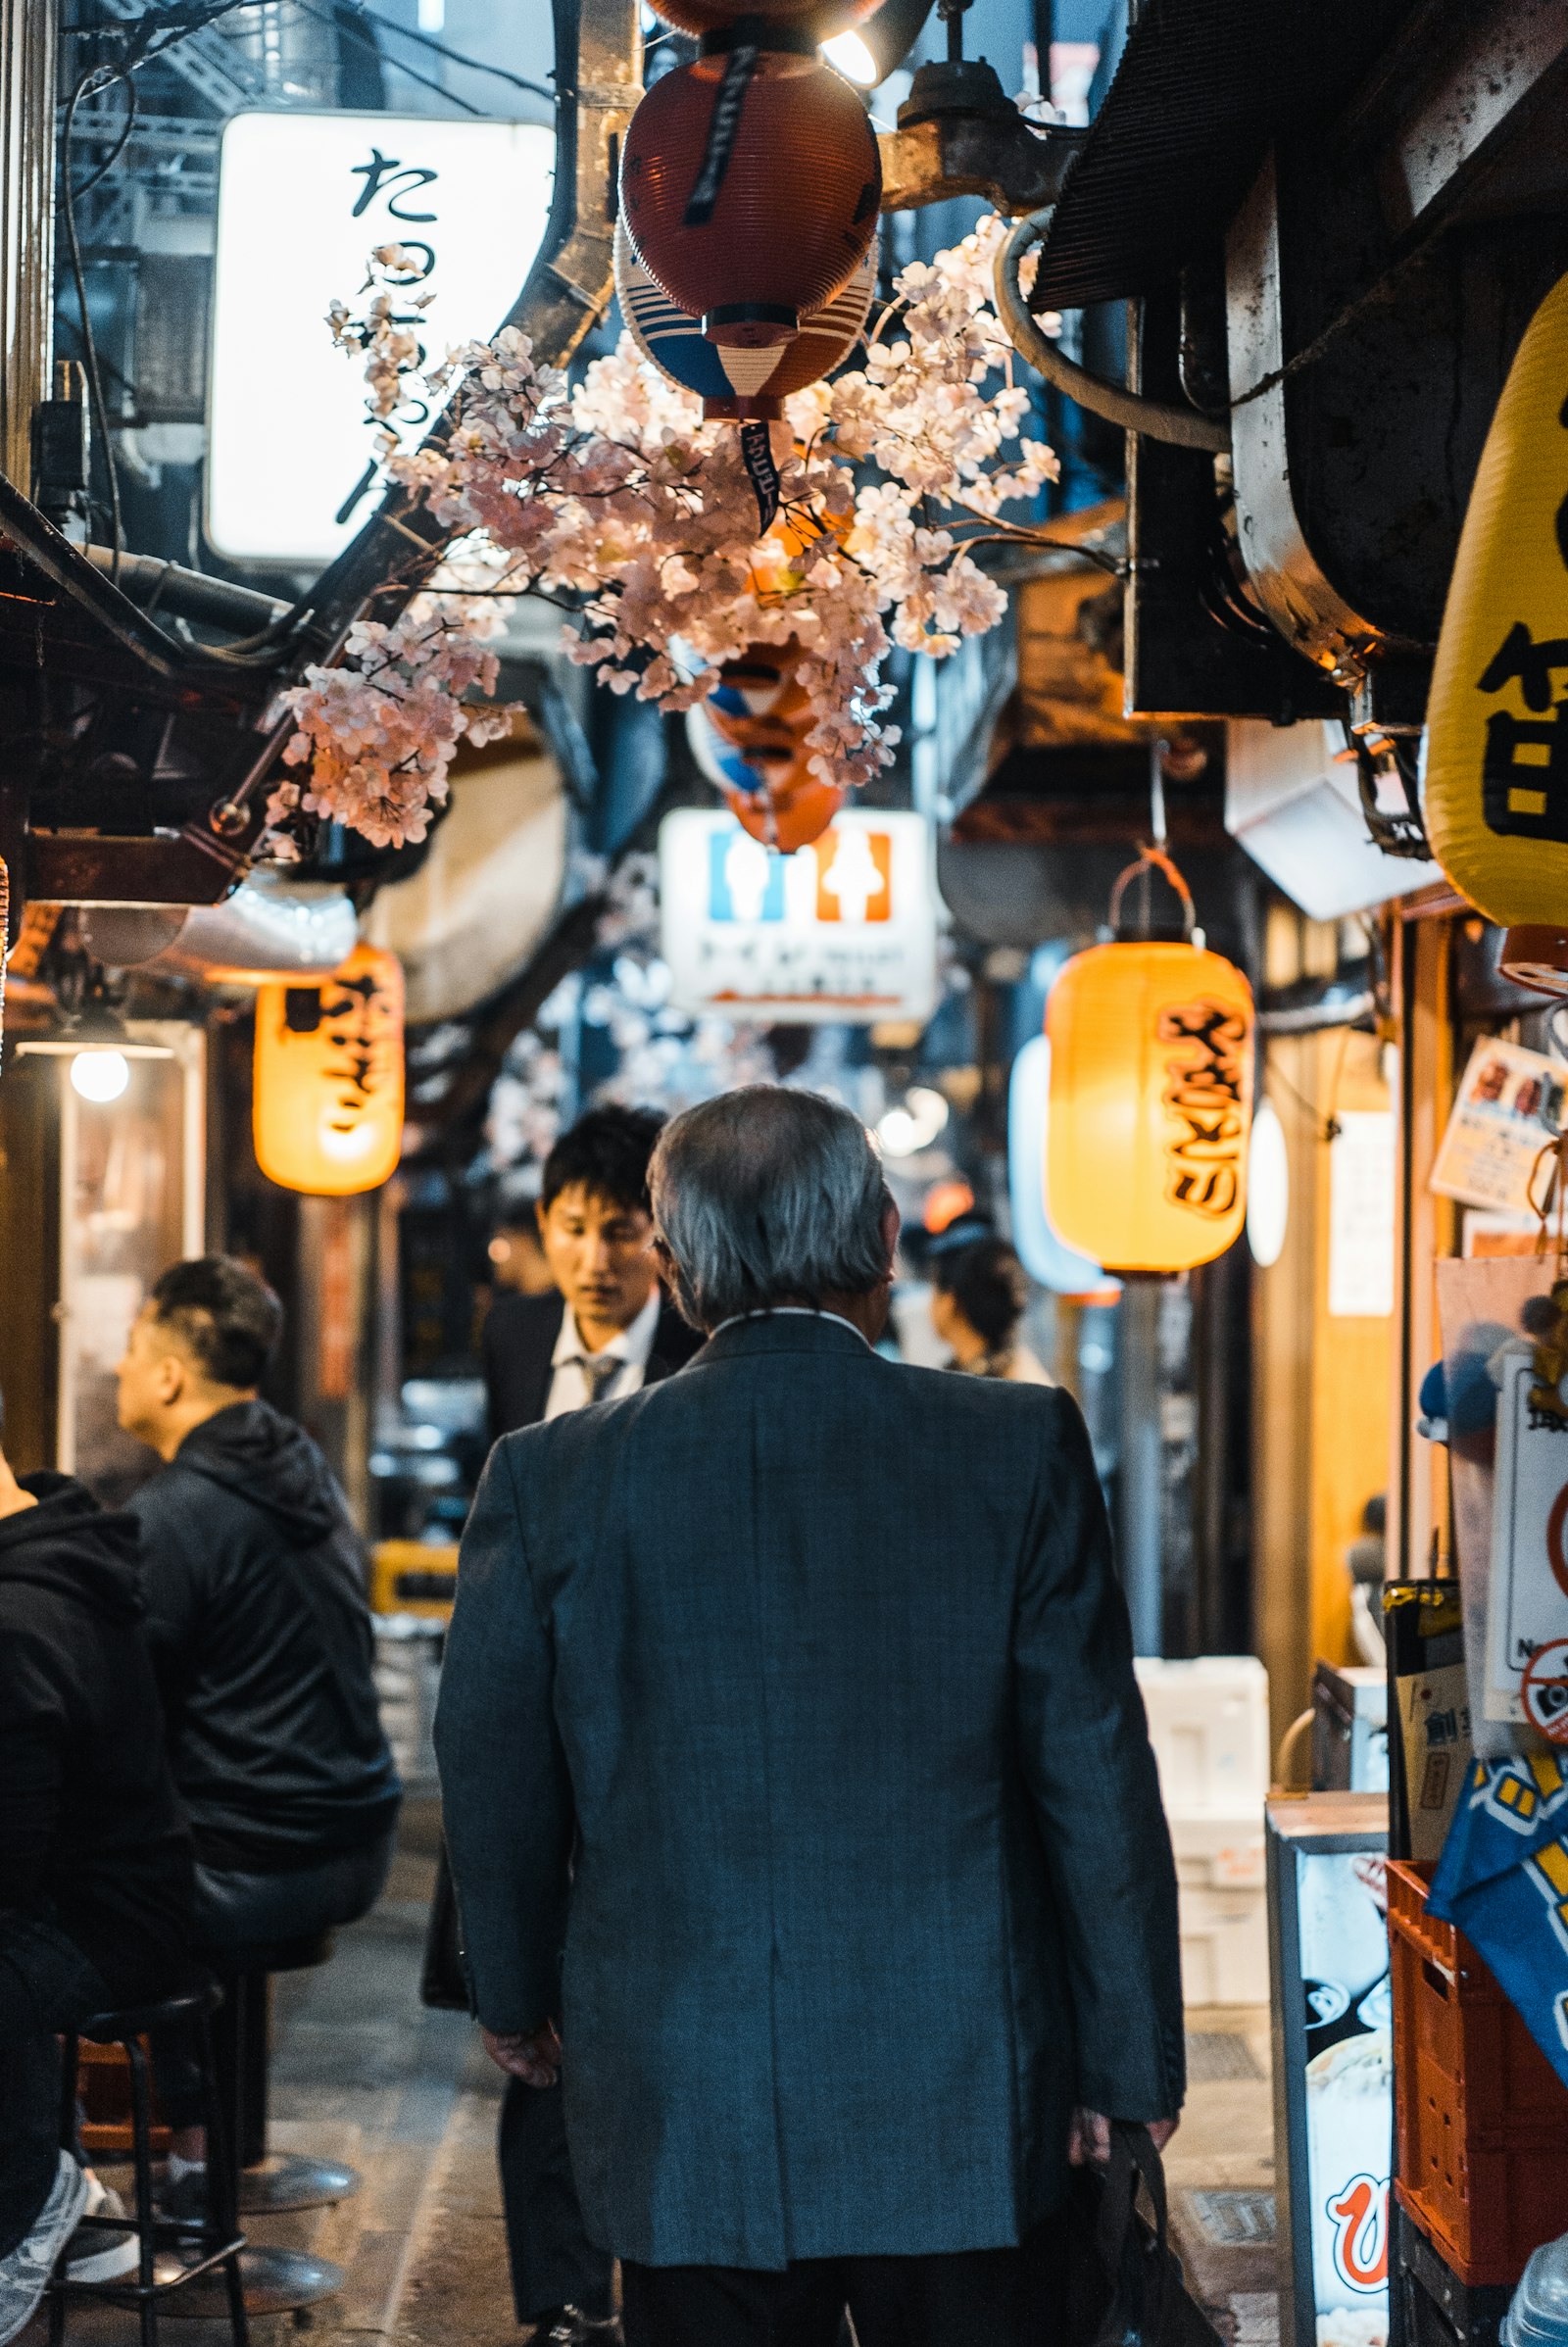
(1506, 1111)
(1361, 1216)
(844, 930)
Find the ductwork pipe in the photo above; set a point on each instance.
(1184, 427)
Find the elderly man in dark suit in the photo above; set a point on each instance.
(799, 1793)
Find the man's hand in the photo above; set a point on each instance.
(1089, 2137)
(536, 2059)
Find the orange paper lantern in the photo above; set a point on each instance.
(1151, 1104)
(760, 685)
(787, 820)
(328, 1113)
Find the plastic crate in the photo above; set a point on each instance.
(1439, 2309)
(1482, 2116)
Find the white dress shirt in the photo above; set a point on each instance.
(572, 1386)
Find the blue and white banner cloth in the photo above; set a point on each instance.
(1503, 1880)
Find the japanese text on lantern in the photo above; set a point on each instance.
(1524, 777)
(1203, 1099)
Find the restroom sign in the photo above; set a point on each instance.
(843, 930)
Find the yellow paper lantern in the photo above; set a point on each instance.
(327, 1114)
(1495, 784)
(1151, 1103)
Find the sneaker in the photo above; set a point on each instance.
(570, 2327)
(184, 2200)
(96, 2253)
(25, 2273)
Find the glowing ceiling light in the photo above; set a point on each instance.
(848, 55)
(99, 1076)
(1269, 1188)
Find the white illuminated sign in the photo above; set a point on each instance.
(302, 199)
(843, 930)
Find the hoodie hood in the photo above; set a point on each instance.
(254, 1452)
(71, 1545)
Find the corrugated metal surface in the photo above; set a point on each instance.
(1201, 90)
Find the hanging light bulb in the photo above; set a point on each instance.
(1269, 1188)
(848, 55)
(99, 1076)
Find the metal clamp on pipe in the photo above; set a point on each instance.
(1153, 418)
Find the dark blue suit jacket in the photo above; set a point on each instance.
(820, 1663)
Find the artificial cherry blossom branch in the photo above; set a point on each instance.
(615, 500)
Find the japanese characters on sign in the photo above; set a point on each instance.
(844, 930)
(303, 200)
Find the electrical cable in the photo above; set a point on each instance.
(368, 40)
(105, 76)
(426, 40)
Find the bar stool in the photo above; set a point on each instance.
(160, 2278)
(270, 2183)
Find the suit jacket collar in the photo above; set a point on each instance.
(781, 1331)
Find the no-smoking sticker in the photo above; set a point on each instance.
(1544, 1690)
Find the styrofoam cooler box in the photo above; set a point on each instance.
(1208, 1724)
(1224, 1946)
(1221, 1887)
(1220, 1853)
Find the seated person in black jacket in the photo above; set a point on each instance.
(95, 1863)
(256, 1609)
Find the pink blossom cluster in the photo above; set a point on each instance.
(617, 498)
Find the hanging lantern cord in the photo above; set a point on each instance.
(1152, 860)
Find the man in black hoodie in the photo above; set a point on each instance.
(255, 1583)
(95, 1862)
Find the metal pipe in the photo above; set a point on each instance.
(149, 581)
(1184, 427)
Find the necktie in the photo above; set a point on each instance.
(599, 1372)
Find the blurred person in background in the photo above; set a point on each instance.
(255, 1583)
(978, 1295)
(95, 1860)
(604, 1328)
(793, 1698)
(601, 1326)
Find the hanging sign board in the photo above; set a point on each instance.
(842, 931)
(1507, 1109)
(302, 200)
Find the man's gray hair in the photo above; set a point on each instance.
(766, 1196)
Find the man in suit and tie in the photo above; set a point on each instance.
(606, 1329)
(794, 1698)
